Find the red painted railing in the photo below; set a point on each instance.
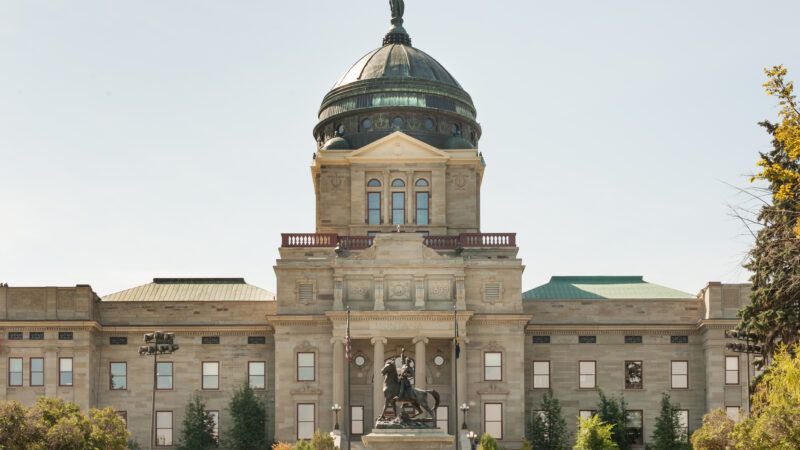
(464, 240)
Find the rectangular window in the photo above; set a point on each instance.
(679, 339)
(15, 371)
(634, 375)
(586, 413)
(423, 205)
(306, 367)
(118, 340)
(540, 340)
(211, 375)
(163, 428)
(124, 416)
(680, 374)
(119, 376)
(164, 375)
(683, 423)
(256, 374)
(492, 366)
(635, 428)
(37, 371)
(374, 208)
(731, 370)
(257, 340)
(398, 208)
(587, 374)
(493, 419)
(633, 339)
(541, 374)
(732, 412)
(306, 420)
(15, 336)
(210, 340)
(65, 335)
(587, 339)
(215, 417)
(357, 420)
(36, 335)
(443, 418)
(65, 371)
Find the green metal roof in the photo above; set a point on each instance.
(602, 287)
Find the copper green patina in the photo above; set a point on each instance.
(603, 287)
(397, 87)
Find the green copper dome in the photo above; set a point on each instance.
(397, 87)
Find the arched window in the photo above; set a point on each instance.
(398, 183)
(422, 182)
(373, 183)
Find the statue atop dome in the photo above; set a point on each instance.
(398, 8)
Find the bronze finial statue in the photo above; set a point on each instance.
(398, 8)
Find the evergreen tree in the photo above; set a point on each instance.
(668, 434)
(594, 434)
(614, 412)
(198, 428)
(774, 313)
(249, 421)
(548, 430)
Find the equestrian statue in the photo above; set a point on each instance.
(397, 388)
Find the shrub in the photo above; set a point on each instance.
(487, 442)
(594, 434)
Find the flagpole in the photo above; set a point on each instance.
(455, 375)
(348, 357)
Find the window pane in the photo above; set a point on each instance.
(732, 363)
(541, 381)
(164, 375)
(15, 379)
(37, 364)
(422, 217)
(305, 430)
(118, 368)
(732, 412)
(374, 217)
(374, 183)
(210, 368)
(257, 368)
(215, 417)
(494, 411)
(493, 374)
(398, 183)
(679, 382)
(15, 364)
(210, 382)
(374, 200)
(587, 381)
(587, 367)
(257, 382)
(680, 367)
(164, 437)
(65, 364)
(633, 375)
(422, 182)
(495, 429)
(442, 418)
(492, 359)
(305, 413)
(585, 414)
(731, 377)
(683, 419)
(305, 359)
(37, 379)
(541, 367)
(164, 419)
(65, 379)
(305, 373)
(635, 419)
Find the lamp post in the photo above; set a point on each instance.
(336, 408)
(464, 410)
(158, 343)
(472, 437)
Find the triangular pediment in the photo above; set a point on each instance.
(395, 146)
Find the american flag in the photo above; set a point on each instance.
(348, 347)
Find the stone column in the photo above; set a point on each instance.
(338, 370)
(377, 380)
(420, 368)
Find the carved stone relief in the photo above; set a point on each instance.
(358, 289)
(399, 289)
(439, 290)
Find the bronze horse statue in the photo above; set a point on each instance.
(418, 398)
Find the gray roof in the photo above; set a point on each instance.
(193, 290)
(397, 61)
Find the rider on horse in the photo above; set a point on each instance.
(405, 374)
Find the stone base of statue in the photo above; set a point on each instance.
(408, 438)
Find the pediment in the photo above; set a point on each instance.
(397, 145)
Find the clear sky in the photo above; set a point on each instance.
(153, 138)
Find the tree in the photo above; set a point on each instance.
(548, 430)
(249, 420)
(198, 427)
(668, 434)
(615, 412)
(715, 434)
(322, 441)
(56, 424)
(487, 442)
(774, 313)
(594, 434)
(303, 445)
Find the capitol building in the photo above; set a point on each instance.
(397, 173)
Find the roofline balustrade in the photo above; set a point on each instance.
(333, 240)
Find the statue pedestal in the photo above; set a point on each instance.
(408, 438)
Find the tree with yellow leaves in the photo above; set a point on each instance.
(773, 317)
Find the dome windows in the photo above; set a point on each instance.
(366, 124)
(397, 122)
(456, 129)
(428, 123)
(340, 129)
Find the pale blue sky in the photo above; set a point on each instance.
(173, 138)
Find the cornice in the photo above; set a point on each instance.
(620, 329)
(339, 317)
(50, 325)
(298, 320)
(501, 319)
